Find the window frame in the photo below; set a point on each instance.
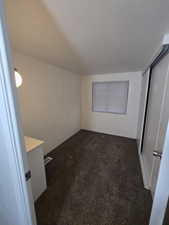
(115, 81)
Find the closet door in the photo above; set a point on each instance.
(155, 124)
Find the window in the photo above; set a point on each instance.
(110, 97)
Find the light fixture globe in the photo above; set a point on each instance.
(18, 79)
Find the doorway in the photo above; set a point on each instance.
(100, 139)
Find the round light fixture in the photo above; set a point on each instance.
(18, 79)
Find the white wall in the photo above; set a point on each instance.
(123, 125)
(50, 101)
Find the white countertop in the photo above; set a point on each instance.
(32, 143)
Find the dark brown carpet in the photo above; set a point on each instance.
(94, 179)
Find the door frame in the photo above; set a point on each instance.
(11, 133)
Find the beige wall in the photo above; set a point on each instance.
(50, 101)
(51, 98)
(123, 125)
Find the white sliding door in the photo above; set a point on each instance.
(156, 121)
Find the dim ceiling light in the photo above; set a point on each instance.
(18, 79)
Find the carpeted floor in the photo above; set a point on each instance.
(94, 179)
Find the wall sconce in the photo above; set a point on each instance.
(18, 78)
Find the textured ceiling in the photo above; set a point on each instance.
(89, 36)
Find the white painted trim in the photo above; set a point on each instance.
(11, 130)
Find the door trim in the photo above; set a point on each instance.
(11, 128)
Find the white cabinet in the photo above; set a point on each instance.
(35, 154)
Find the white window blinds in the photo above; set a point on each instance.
(110, 97)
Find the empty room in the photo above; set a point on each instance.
(84, 92)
